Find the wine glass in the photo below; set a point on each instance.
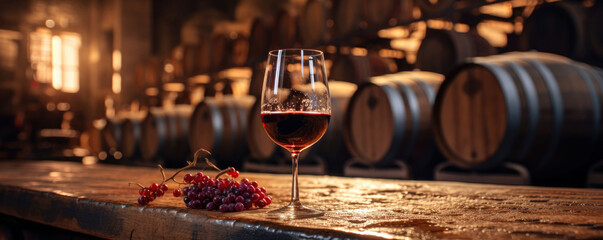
(296, 108)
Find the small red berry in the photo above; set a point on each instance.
(268, 200)
(177, 192)
(188, 178)
(254, 184)
(255, 197)
(261, 203)
(199, 177)
(163, 187)
(239, 207)
(142, 201)
(146, 192)
(234, 174)
(154, 187)
(159, 192)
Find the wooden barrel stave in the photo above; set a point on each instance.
(557, 28)
(314, 23)
(111, 133)
(261, 147)
(556, 117)
(258, 41)
(218, 125)
(164, 136)
(346, 17)
(130, 138)
(402, 131)
(285, 31)
(378, 13)
(441, 50)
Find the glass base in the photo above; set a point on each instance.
(294, 211)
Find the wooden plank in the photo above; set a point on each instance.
(97, 200)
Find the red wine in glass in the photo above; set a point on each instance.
(296, 107)
(295, 131)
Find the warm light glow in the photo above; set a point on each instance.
(359, 51)
(331, 49)
(236, 73)
(51, 106)
(411, 57)
(395, 32)
(41, 55)
(63, 106)
(416, 13)
(495, 32)
(197, 94)
(50, 23)
(503, 9)
(116, 83)
(406, 44)
(168, 68)
(439, 24)
(94, 55)
(199, 79)
(461, 27)
(173, 87)
(70, 63)
(116, 60)
(55, 59)
(389, 53)
(57, 72)
(151, 92)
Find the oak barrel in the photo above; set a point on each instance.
(541, 110)
(239, 51)
(131, 131)
(257, 79)
(165, 134)
(331, 146)
(558, 28)
(314, 23)
(259, 41)
(218, 125)
(261, 147)
(111, 133)
(350, 68)
(442, 50)
(378, 13)
(284, 31)
(358, 69)
(594, 30)
(346, 17)
(388, 119)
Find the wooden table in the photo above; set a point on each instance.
(96, 200)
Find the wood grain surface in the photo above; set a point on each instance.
(96, 200)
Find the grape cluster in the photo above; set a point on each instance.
(224, 195)
(148, 194)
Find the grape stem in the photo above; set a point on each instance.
(190, 165)
(140, 185)
(224, 171)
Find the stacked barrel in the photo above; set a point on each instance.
(389, 119)
(540, 110)
(463, 104)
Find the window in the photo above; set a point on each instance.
(55, 59)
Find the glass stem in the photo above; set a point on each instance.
(294, 185)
